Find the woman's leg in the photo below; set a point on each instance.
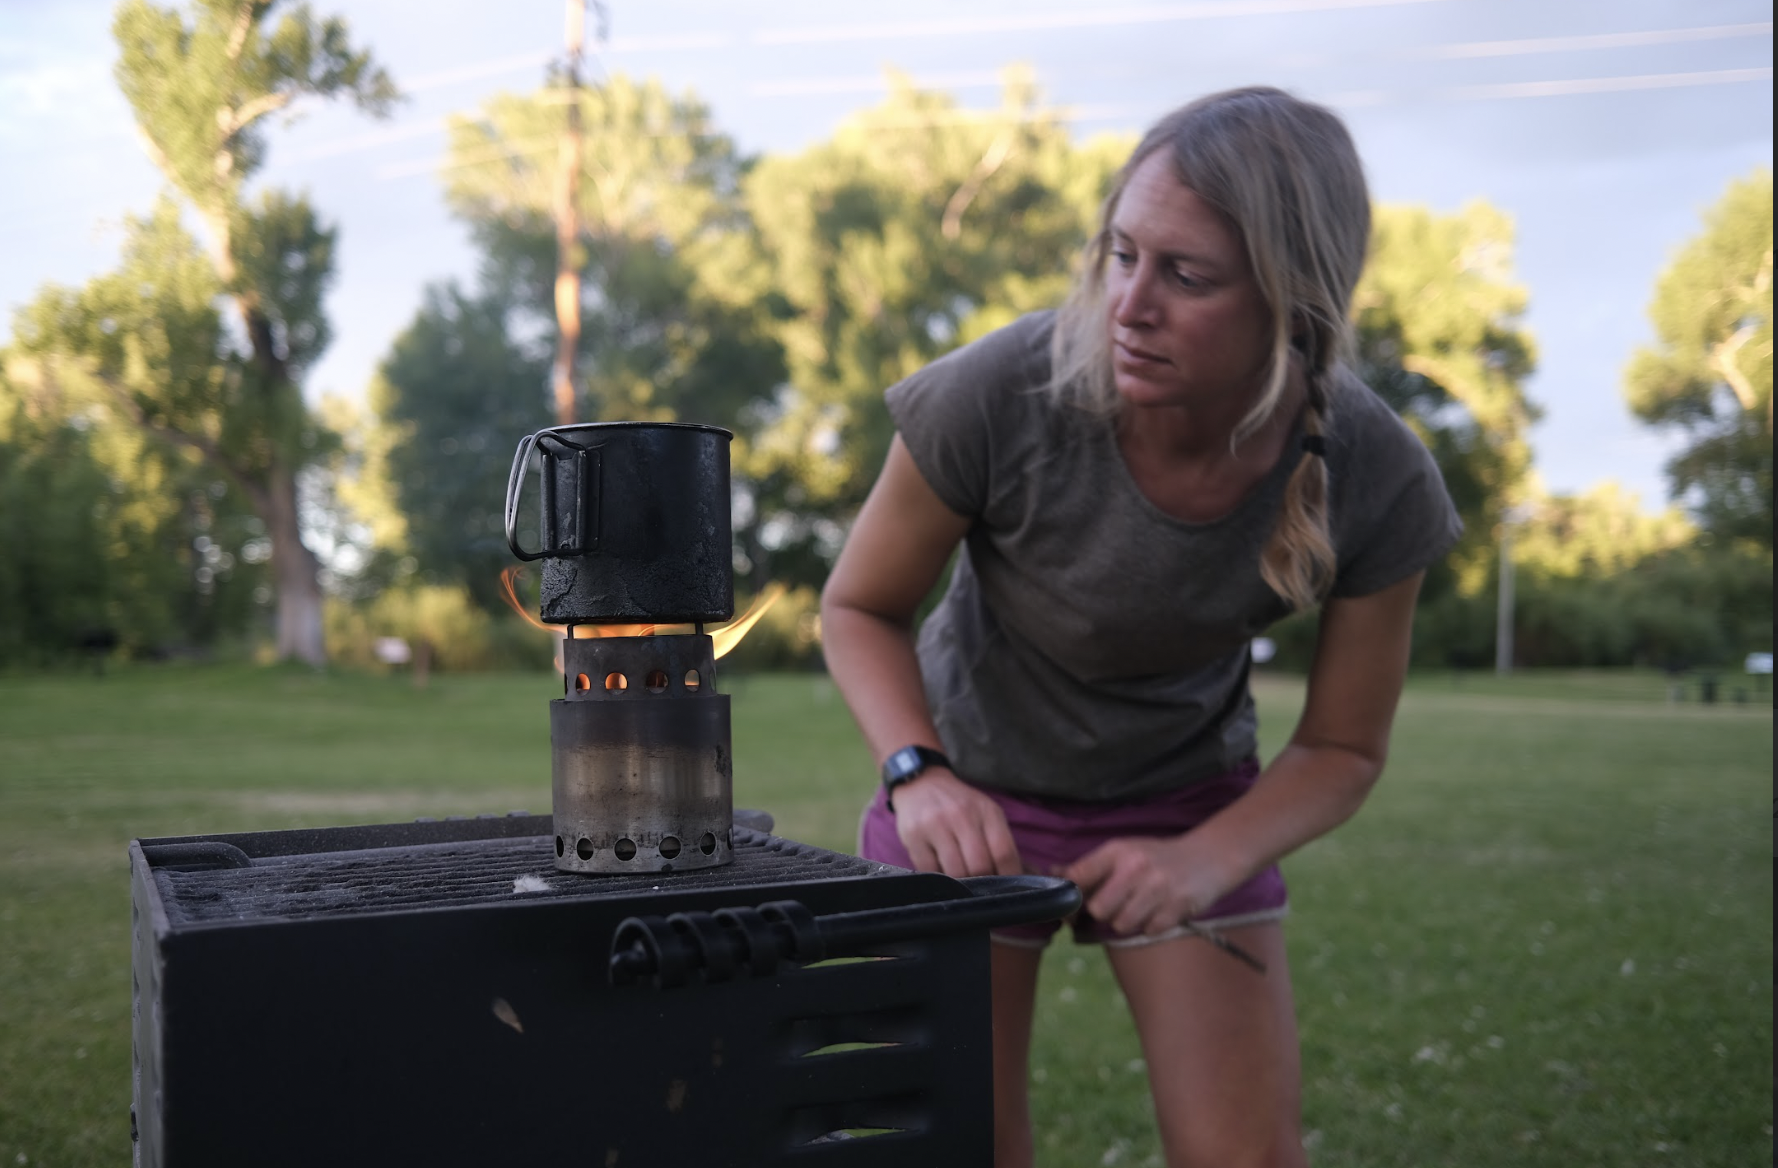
(1221, 1046)
(1014, 981)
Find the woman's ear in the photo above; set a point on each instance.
(1299, 334)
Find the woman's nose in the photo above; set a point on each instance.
(1133, 300)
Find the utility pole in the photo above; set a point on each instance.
(1503, 618)
(568, 247)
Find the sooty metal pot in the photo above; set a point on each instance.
(634, 526)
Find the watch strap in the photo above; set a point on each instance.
(908, 764)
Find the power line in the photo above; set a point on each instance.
(1522, 89)
(1048, 21)
(877, 83)
(1609, 40)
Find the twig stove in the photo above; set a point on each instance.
(642, 979)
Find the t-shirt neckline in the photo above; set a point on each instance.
(1268, 485)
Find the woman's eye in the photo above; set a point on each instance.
(1185, 279)
(1124, 258)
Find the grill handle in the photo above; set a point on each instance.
(719, 945)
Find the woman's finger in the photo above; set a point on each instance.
(920, 852)
(951, 860)
(1091, 869)
(1002, 849)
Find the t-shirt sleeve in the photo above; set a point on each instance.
(1399, 518)
(956, 415)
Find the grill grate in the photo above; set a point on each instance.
(471, 872)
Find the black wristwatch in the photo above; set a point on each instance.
(906, 765)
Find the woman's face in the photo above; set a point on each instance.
(1189, 326)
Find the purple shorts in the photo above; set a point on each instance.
(1053, 833)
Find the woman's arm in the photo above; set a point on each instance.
(1316, 783)
(897, 547)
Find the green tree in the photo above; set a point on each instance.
(454, 396)
(918, 227)
(201, 87)
(1600, 532)
(667, 334)
(671, 311)
(109, 534)
(1709, 375)
(1440, 338)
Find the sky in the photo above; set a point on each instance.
(1603, 128)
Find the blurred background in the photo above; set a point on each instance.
(283, 288)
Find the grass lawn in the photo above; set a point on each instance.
(1546, 941)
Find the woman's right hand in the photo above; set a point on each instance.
(948, 826)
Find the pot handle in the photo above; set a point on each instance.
(720, 944)
(586, 491)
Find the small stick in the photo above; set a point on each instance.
(1226, 945)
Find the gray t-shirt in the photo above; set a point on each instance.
(1091, 646)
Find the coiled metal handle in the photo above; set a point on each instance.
(719, 945)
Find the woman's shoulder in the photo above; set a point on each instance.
(1371, 445)
(1392, 512)
(1007, 360)
(1362, 419)
(973, 414)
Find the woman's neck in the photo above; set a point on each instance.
(1187, 462)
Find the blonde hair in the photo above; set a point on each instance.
(1285, 174)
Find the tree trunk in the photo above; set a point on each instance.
(567, 215)
(296, 572)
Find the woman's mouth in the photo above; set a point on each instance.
(1134, 356)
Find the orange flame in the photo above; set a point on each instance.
(728, 636)
(724, 637)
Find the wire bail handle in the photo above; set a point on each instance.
(585, 464)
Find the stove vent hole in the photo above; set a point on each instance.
(625, 849)
(560, 847)
(707, 845)
(582, 683)
(657, 682)
(692, 680)
(584, 849)
(615, 682)
(670, 847)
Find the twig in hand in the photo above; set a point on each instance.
(1226, 945)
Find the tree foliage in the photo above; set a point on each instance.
(918, 226)
(113, 540)
(149, 337)
(1438, 314)
(664, 337)
(455, 395)
(670, 308)
(1597, 533)
(1709, 376)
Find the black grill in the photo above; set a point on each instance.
(438, 993)
(462, 873)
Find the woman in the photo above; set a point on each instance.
(1141, 483)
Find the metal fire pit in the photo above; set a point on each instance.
(435, 993)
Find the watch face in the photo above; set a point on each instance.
(902, 763)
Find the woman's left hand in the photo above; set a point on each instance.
(1148, 886)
